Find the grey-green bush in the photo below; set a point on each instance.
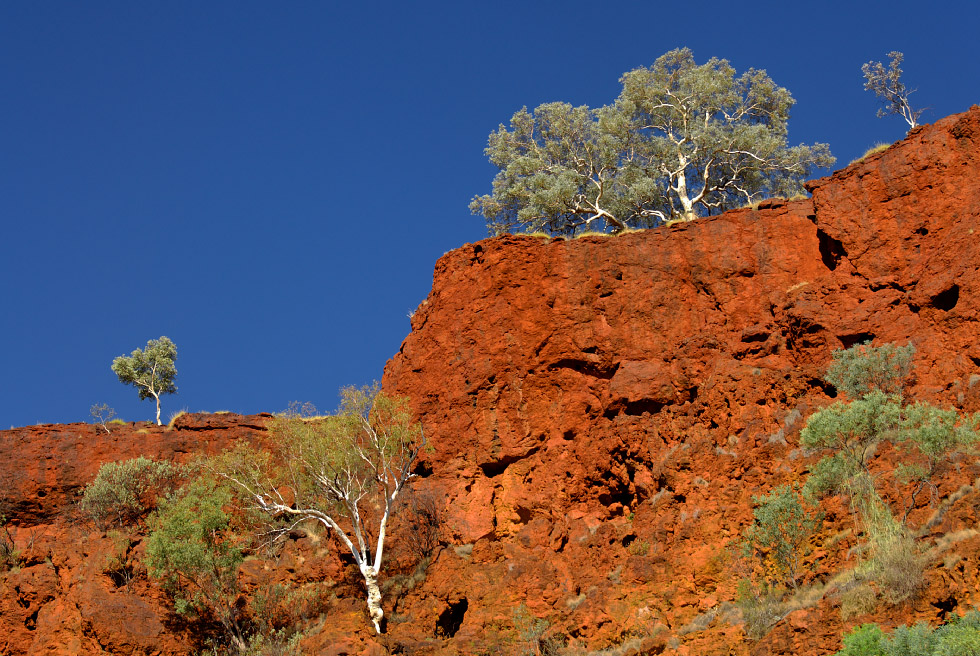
(958, 637)
(123, 493)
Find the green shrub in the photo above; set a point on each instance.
(123, 493)
(873, 379)
(194, 550)
(779, 536)
(863, 368)
(958, 637)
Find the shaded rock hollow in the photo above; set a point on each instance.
(601, 412)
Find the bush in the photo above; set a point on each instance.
(124, 493)
(958, 637)
(779, 536)
(863, 368)
(194, 550)
(897, 566)
(872, 378)
(9, 556)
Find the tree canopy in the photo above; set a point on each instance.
(344, 471)
(151, 371)
(682, 140)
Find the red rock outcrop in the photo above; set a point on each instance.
(601, 412)
(585, 397)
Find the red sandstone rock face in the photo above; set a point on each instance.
(61, 601)
(601, 412)
(583, 396)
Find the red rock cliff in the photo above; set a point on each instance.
(601, 412)
(585, 395)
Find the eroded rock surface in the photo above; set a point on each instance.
(601, 413)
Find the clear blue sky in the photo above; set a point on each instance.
(270, 184)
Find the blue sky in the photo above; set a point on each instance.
(270, 184)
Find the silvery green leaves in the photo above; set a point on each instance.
(151, 371)
(681, 141)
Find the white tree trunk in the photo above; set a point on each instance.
(373, 595)
(681, 190)
(157, 397)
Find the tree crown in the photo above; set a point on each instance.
(888, 86)
(681, 141)
(152, 370)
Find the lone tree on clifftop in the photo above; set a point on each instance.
(151, 371)
(682, 140)
(887, 85)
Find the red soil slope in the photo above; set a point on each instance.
(601, 412)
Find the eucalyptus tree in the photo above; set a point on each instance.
(563, 168)
(682, 140)
(887, 85)
(344, 471)
(716, 141)
(151, 371)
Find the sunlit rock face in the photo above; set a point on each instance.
(601, 412)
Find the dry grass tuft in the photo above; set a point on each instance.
(174, 416)
(874, 150)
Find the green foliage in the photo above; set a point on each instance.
(863, 368)
(864, 640)
(123, 493)
(194, 549)
(364, 449)
(682, 140)
(780, 534)
(852, 431)
(887, 85)
(958, 637)
(344, 471)
(151, 371)
(872, 377)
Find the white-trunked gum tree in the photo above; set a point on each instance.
(344, 471)
(682, 141)
(151, 371)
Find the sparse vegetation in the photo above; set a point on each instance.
(879, 147)
(887, 85)
(854, 430)
(102, 414)
(779, 537)
(174, 416)
(9, 555)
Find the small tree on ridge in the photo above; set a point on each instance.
(152, 371)
(887, 85)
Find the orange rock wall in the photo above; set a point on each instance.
(601, 412)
